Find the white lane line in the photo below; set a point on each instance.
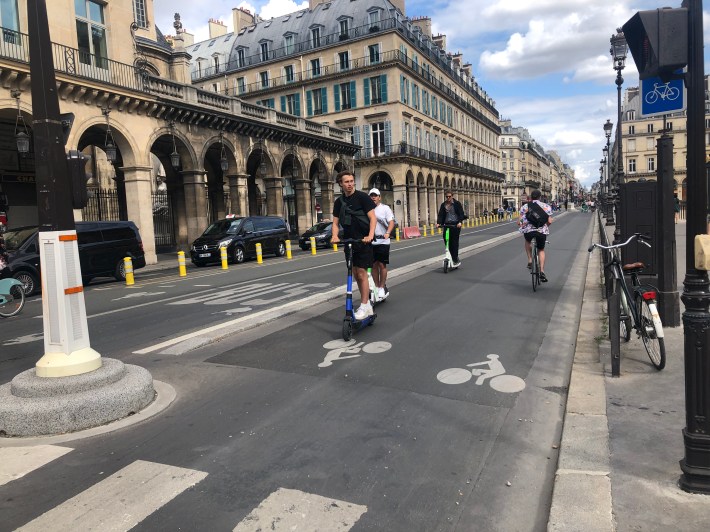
(121, 501)
(288, 509)
(16, 462)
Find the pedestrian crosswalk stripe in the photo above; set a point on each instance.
(121, 501)
(16, 462)
(288, 509)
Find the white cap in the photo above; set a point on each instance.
(375, 191)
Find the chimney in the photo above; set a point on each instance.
(313, 3)
(467, 70)
(440, 40)
(217, 28)
(456, 58)
(241, 18)
(187, 38)
(424, 24)
(399, 4)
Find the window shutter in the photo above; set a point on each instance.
(388, 137)
(353, 99)
(356, 135)
(309, 103)
(402, 97)
(368, 140)
(383, 82)
(366, 87)
(324, 99)
(298, 104)
(336, 97)
(283, 104)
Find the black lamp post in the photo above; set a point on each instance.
(618, 52)
(223, 162)
(109, 145)
(174, 156)
(608, 126)
(22, 136)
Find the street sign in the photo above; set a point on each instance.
(660, 98)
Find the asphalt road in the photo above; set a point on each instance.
(396, 426)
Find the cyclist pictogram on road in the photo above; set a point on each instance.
(341, 349)
(491, 371)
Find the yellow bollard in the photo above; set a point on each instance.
(313, 245)
(288, 250)
(128, 270)
(223, 257)
(440, 231)
(431, 229)
(259, 258)
(424, 230)
(396, 234)
(181, 264)
(335, 247)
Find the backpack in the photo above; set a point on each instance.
(536, 215)
(349, 216)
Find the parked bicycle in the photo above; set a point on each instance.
(12, 297)
(637, 308)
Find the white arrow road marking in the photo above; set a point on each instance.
(290, 292)
(26, 339)
(232, 311)
(225, 297)
(287, 510)
(135, 295)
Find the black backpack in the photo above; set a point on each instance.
(536, 215)
(349, 216)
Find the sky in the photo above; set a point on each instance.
(545, 63)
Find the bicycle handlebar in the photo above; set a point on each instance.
(641, 238)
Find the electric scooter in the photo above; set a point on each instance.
(449, 264)
(374, 292)
(350, 324)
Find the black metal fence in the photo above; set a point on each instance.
(102, 205)
(163, 222)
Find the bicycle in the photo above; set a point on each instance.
(637, 308)
(534, 265)
(12, 297)
(663, 91)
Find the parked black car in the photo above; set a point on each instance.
(322, 231)
(240, 236)
(102, 248)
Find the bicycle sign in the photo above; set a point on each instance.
(490, 371)
(659, 98)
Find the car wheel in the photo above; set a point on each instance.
(120, 272)
(28, 280)
(238, 254)
(280, 249)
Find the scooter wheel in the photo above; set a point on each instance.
(446, 265)
(347, 329)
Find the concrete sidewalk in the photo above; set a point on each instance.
(618, 467)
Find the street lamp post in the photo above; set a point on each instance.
(618, 52)
(608, 126)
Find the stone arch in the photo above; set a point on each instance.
(296, 193)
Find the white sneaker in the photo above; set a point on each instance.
(363, 312)
(457, 264)
(381, 294)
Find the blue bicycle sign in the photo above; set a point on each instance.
(660, 98)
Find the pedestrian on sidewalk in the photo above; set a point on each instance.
(451, 213)
(381, 244)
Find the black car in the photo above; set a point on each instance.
(102, 248)
(240, 236)
(322, 232)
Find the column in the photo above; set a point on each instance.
(412, 206)
(423, 206)
(238, 194)
(274, 196)
(433, 205)
(400, 204)
(326, 198)
(304, 205)
(193, 184)
(139, 203)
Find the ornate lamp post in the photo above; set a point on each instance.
(618, 51)
(609, 213)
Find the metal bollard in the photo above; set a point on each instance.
(335, 247)
(223, 257)
(431, 229)
(288, 250)
(259, 258)
(440, 230)
(128, 270)
(313, 245)
(424, 230)
(181, 264)
(396, 234)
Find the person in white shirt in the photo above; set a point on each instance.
(381, 243)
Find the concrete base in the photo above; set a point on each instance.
(36, 406)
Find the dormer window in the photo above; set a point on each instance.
(315, 36)
(264, 50)
(374, 19)
(344, 23)
(289, 43)
(241, 57)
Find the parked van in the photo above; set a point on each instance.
(102, 248)
(240, 236)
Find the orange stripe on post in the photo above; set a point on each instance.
(73, 290)
(67, 238)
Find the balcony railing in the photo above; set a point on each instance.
(410, 150)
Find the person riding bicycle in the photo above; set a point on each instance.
(355, 211)
(381, 244)
(530, 231)
(451, 214)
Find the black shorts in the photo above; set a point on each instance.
(381, 253)
(362, 255)
(541, 239)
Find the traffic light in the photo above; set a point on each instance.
(658, 41)
(76, 163)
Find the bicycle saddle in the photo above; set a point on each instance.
(634, 266)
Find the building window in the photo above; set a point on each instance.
(264, 47)
(241, 85)
(344, 60)
(291, 107)
(345, 96)
(374, 53)
(288, 44)
(240, 58)
(288, 72)
(315, 67)
(138, 13)
(315, 37)
(378, 138)
(651, 164)
(10, 21)
(631, 114)
(344, 28)
(91, 33)
(374, 19)
(631, 146)
(264, 77)
(669, 125)
(632, 166)
(375, 90)
(632, 130)
(649, 127)
(317, 101)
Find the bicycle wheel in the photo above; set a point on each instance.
(535, 269)
(14, 304)
(624, 317)
(655, 346)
